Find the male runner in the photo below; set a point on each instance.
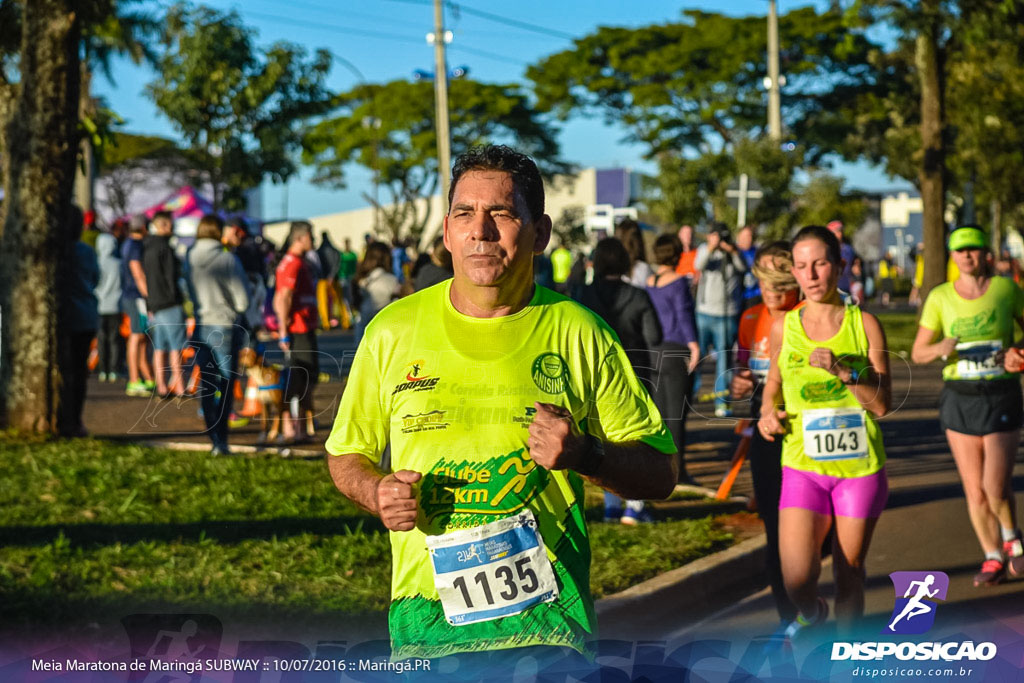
(494, 395)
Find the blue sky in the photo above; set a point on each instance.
(385, 39)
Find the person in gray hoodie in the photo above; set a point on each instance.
(220, 294)
(719, 294)
(108, 293)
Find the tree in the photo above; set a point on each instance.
(773, 168)
(117, 29)
(693, 191)
(682, 191)
(126, 32)
(691, 93)
(823, 199)
(936, 39)
(238, 107)
(985, 92)
(39, 123)
(695, 87)
(389, 129)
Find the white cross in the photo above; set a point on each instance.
(744, 193)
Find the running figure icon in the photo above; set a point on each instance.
(916, 606)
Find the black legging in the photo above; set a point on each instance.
(766, 470)
(110, 343)
(671, 388)
(74, 369)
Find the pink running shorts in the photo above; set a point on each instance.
(857, 497)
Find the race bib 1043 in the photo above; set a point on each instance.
(492, 571)
(835, 434)
(979, 359)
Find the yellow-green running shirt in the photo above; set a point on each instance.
(454, 397)
(989, 318)
(806, 388)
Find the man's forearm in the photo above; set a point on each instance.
(357, 479)
(636, 470)
(139, 275)
(282, 304)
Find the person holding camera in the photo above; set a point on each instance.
(718, 304)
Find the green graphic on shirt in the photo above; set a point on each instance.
(981, 325)
(550, 373)
(795, 359)
(821, 392)
(479, 490)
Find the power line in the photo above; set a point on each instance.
(511, 22)
(484, 53)
(318, 25)
(346, 13)
(497, 18)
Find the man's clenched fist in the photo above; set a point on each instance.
(555, 441)
(396, 500)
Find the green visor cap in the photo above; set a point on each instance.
(967, 238)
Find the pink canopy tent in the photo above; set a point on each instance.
(188, 206)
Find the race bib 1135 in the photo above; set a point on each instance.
(492, 571)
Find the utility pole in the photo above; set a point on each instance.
(774, 96)
(444, 151)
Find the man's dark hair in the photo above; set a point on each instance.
(825, 236)
(163, 214)
(238, 223)
(610, 258)
(296, 230)
(525, 176)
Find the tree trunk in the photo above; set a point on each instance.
(41, 137)
(85, 171)
(997, 227)
(932, 170)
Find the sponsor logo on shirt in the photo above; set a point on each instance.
(499, 486)
(526, 419)
(424, 422)
(550, 373)
(416, 378)
(981, 325)
(820, 392)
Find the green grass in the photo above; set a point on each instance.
(900, 330)
(90, 528)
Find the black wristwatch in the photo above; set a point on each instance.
(592, 458)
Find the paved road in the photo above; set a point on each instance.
(109, 414)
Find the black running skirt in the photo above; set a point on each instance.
(980, 407)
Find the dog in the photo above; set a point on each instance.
(271, 393)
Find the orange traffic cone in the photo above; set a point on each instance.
(194, 380)
(190, 350)
(94, 355)
(251, 407)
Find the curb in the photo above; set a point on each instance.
(236, 449)
(693, 588)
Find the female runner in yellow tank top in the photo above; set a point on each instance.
(829, 380)
(980, 408)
